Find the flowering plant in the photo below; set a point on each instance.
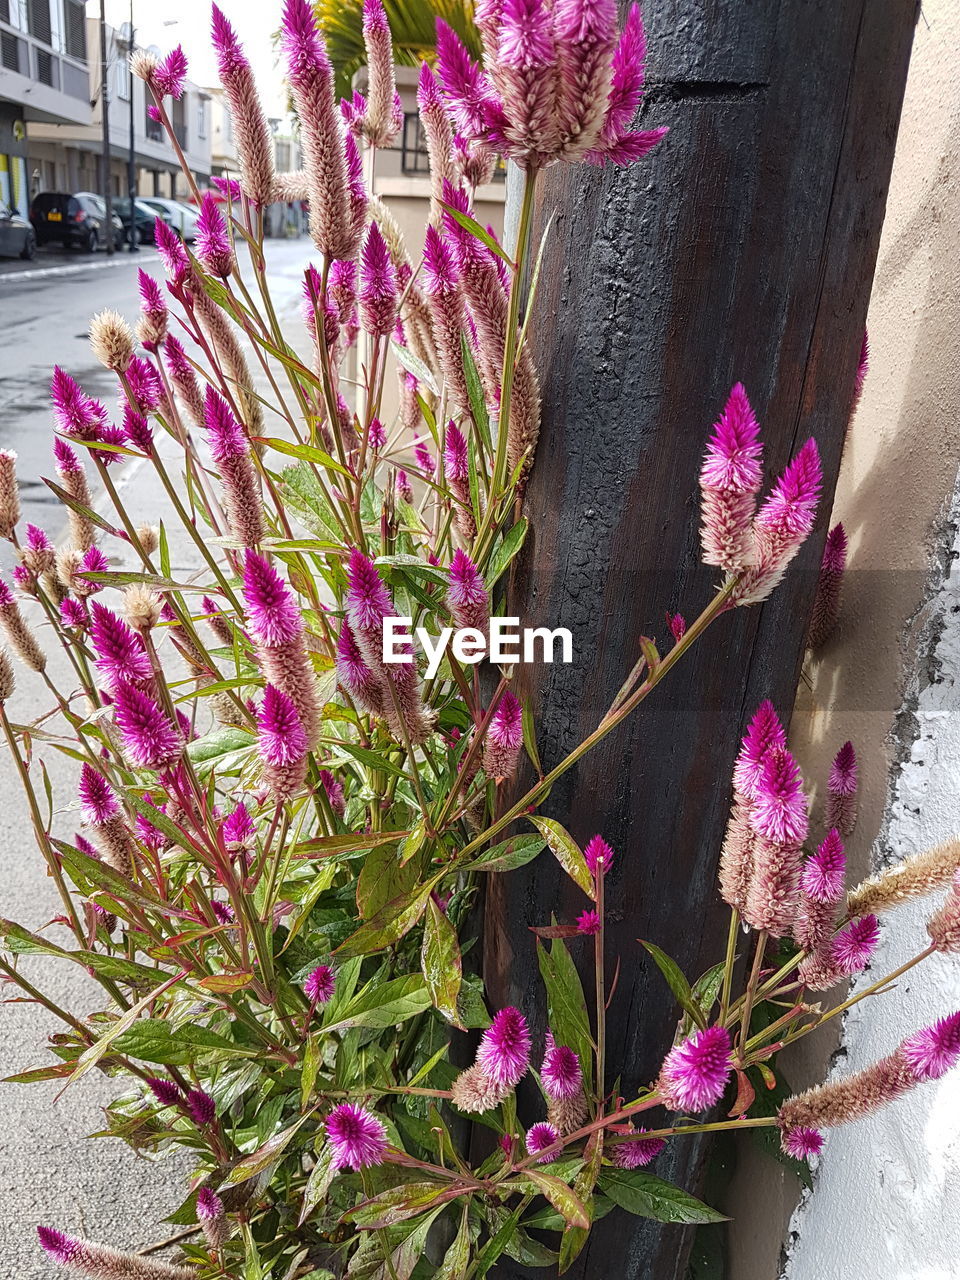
(282, 834)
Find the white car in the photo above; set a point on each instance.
(181, 217)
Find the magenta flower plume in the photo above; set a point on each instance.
(149, 738)
(172, 253)
(358, 1138)
(780, 808)
(238, 830)
(378, 294)
(467, 596)
(100, 1262)
(540, 1137)
(342, 284)
(282, 737)
(504, 1052)
(598, 856)
(695, 1073)
(252, 132)
(677, 624)
(38, 552)
(455, 455)
(73, 613)
(166, 1092)
(637, 1152)
(377, 435)
(764, 732)
(213, 239)
(147, 833)
(504, 738)
(561, 1073)
(824, 873)
(931, 1052)
(209, 1205)
(826, 606)
(855, 944)
(98, 800)
(137, 430)
(144, 385)
(355, 676)
(729, 482)
(151, 295)
(231, 451)
(404, 487)
(368, 601)
(319, 985)
(782, 525)
(78, 415)
(222, 910)
(425, 459)
(61, 1248)
(334, 791)
(272, 613)
(842, 790)
(202, 1108)
(801, 1142)
(121, 656)
(588, 922)
(169, 77)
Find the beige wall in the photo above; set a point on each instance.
(899, 469)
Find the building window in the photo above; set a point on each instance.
(40, 25)
(179, 121)
(12, 53)
(153, 128)
(121, 78)
(76, 30)
(414, 156)
(201, 117)
(47, 68)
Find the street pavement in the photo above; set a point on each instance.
(48, 1173)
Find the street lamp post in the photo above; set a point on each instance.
(134, 245)
(105, 124)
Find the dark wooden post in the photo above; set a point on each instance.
(742, 249)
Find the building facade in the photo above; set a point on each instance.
(44, 79)
(68, 155)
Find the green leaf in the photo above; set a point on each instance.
(583, 1184)
(306, 451)
(530, 738)
(567, 852)
(90, 1057)
(264, 1156)
(508, 855)
(441, 963)
(650, 1197)
(478, 405)
(676, 982)
(383, 878)
(497, 1243)
(391, 922)
(563, 1199)
(331, 846)
(478, 232)
(399, 1203)
(318, 1184)
(457, 1258)
(384, 1004)
(405, 357)
(153, 1040)
(413, 843)
(566, 1003)
(506, 551)
(219, 742)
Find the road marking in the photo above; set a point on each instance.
(44, 273)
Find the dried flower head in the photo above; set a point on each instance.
(9, 493)
(142, 606)
(19, 632)
(112, 341)
(915, 877)
(100, 1262)
(475, 1092)
(944, 925)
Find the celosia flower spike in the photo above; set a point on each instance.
(380, 122)
(100, 1262)
(211, 1216)
(540, 1137)
(842, 790)
(202, 1108)
(504, 1052)
(98, 800)
(320, 984)
(231, 452)
(169, 77)
(378, 294)
(467, 596)
(9, 492)
(121, 656)
(944, 925)
(561, 1074)
(501, 750)
(801, 1143)
(695, 1073)
(149, 738)
(854, 945)
(254, 139)
(729, 482)
(357, 1138)
(780, 809)
(272, 614)
(781, 526)
(166, 1092)
(598, 856)
(826, 606)
(932, 1052)
(764, 732)
(283, 743)
(637, 1152)
(213, 239)
(588, 922)
(915, 877)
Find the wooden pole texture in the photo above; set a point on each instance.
(742, 249)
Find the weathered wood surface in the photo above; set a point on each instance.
(742, 249)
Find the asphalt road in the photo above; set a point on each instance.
(48, 1173)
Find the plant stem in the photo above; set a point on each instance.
(728, 964)
(751, 993)
(601, 992)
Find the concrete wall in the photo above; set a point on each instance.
(886, 1198)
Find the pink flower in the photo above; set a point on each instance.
(319, 985)
(467, 596)
(377, 435)
(695, 1073)
(357, 1137)
(425, 459)
(378, 285)
(354, 674)
(855, 944)
(168, 79)
(213, 239)
(404, 488)
(729, 482)
(238, 830)
(254, 139)
(149, 738)
(780, 810)
(561, 1073)
(504, 738)
(229, 188)
(824, 873)
(504, 1053)
(172, 253)
(281, 734)
(588, 922)
(455, 464)
(166, 1092)
(334, 791)
(98, 800)
(73, 613)
(202, 1108)
(763, 733)
(637, 1152)
(209, 1205)
(147, 833)
(540, 1137)
(368, 600)
(934, 1050)
(842, 790)
(782, 525)
(121, 656)
(801, 1142)
(598, 856)
(272, 613)
(678, 625)
(826, 606)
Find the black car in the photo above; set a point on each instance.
(74, 221)
(145, 218)
(17, 238)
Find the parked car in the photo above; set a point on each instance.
(17, 237)
(78, 221)
(181, 217)
(145, 218)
